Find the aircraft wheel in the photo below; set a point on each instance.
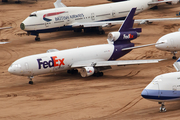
(98, 74)
(30, 82)
(102, 32)
(101, 73)
(174, 57)
(78, 30)
(37, 39)
(69, 71)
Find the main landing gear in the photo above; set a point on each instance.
(72, 71)
(98, 74)
(162, 108)
(174, 55)
(30, 80)
(98, 30)
(37, 38)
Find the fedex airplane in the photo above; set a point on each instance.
(86, 60)
(94, 17)
(169, 42)
(164, 88)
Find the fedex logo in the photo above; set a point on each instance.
(54, 62)
(90, 71)
(129, 36)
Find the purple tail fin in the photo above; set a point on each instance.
(128, 23)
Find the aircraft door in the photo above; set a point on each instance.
(27, 69)
(47, 24)
(92, 16)
(174, 89)
(159, 93)
(114, 13)
(173, 45)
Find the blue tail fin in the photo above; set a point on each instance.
(129, 22)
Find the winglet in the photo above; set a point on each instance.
(59, 4)
(129, 22)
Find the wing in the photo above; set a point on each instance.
(99, 63)
(59, 4)
(5, 28)
(112, 23)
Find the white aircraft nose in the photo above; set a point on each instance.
(161, 44)
(10, 70)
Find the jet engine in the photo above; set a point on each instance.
(117, 36)
(86, 71)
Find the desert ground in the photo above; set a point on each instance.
(60, 96)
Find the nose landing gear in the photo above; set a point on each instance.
(30, 80)
(162, 108)
(174, 55)
(37, 38)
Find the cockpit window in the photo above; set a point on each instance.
(16, 65)
(157, 80)
(33, 15)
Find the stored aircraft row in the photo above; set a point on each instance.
(86, 60)
(94, 17)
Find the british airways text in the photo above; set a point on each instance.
(54, 62)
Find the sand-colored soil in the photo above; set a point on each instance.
(60, 96)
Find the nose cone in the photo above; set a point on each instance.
(10, 70)
(144, 93)
(161, 44)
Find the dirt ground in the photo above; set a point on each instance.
(60, 96)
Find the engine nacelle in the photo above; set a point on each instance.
(116, 36)
(87, 71)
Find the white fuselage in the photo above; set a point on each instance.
(170, 42)
(63, 18)
(60, 60)
(165, 87)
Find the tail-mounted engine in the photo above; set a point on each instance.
(87, 71)
(119, 36)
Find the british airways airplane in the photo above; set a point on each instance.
(164, 88)
(86, 60)
(63, 18)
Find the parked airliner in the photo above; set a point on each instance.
(63, 18)
(87, 60)
(164, 88)
(169, 42)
